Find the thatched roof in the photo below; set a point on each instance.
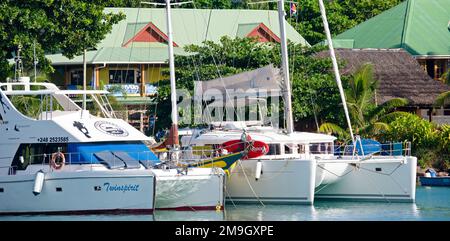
(397, 72)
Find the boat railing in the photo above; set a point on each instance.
(88, 159)
(385, 149)
(187, 155)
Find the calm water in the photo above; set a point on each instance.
(432, 203)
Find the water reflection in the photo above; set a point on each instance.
(431, 204)
(189, 216)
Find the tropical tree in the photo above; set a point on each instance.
(443, 99)
(67, 26)
(367, 118)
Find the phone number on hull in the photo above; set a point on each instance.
(53, 139)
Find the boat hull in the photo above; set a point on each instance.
(79, 192)
(435, 181)
(377, 179)
(285, 181)
(196, 189)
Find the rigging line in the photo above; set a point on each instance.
(220, 75)
(200, 63)
(229, 195)
(250, 185)
(389, 175)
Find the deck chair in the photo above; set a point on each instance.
(108, 159)
(130, 162)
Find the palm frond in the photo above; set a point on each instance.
(375, 128)
(331, 128)
(388, 118)
(387, 107)
(442, 99)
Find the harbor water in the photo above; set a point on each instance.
(432, 204)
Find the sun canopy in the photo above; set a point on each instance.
(82, 153)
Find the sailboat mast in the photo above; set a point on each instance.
(35, 60)
(173, 97)
(335, 67)
(285, 68)
(84, 80)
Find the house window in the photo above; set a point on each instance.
(122, 76)
(436, 68)
(439, 68)
(76, 77)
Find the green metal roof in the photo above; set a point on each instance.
(419, 26)
(131, 30)
(190, 26)
(245, 28)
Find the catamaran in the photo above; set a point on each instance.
(180, 186)
(301, 166)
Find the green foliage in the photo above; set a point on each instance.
(444, 138)
(430, 142)
(360, 93)
(443, 99)
(420, 132)
(67, 26)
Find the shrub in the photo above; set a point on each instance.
(421, 133)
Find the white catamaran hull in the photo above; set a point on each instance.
(288, 181)
(376, 179)
(196, 189)
(78, 192)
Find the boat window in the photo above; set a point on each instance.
(274, 149)
(288, 149)
(35, 106)
(314, 148)
(301, 149)
(36, 153)
(329, 148)
(321, 148)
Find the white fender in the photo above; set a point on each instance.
(258, 170)
(38, 182)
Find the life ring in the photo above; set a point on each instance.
(53, 163)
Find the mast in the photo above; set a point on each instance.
(174, 129)
(84, 81)
(285, 68)
(35, 62)
(335, 67)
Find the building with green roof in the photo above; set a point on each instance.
(139, 42)
(421, 27)
(134, 53)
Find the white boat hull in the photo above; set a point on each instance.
(79, 192)
(198, 189)
(376, 179)
(289, 181)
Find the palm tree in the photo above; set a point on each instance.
(443, 99)
(367, 118)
